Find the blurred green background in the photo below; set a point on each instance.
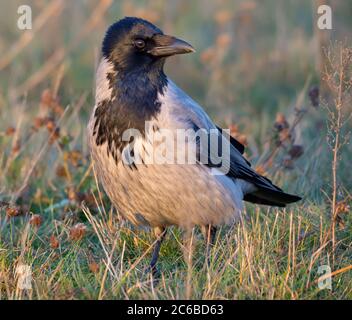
(252, 56)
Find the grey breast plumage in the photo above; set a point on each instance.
(176, 194)
(167, 194)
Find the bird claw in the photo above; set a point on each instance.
(151, 269)
(154, 272)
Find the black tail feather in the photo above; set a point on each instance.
(271, 197)
(250, 197)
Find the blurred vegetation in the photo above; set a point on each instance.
(257, 70)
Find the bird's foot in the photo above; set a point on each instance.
(154, 272)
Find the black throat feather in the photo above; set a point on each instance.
(134, 100)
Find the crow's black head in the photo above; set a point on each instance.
(133, 43)
(136, 49)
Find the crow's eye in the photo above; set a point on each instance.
(139, 43)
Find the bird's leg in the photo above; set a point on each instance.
(160, 234)
(188, 245)
(209, 233)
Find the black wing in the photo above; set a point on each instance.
(189, 114)
(239, 146)
(239, 168)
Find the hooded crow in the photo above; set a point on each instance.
(132, 90)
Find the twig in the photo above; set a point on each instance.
(329, 275)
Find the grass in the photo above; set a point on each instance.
(55, 218)
(273, 256)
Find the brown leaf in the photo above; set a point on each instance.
(342, 207)
(94, 267)
(54, 242)
(10, 131)
(36, 220)
(78, 231)
(15, 211)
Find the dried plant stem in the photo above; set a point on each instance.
(335, 159)
(337, 76)
(342, 270)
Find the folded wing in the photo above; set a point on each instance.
(190, 114)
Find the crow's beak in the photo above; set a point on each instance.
(166, 46)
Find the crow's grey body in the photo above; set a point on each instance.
(133, 90)
(167, 194)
